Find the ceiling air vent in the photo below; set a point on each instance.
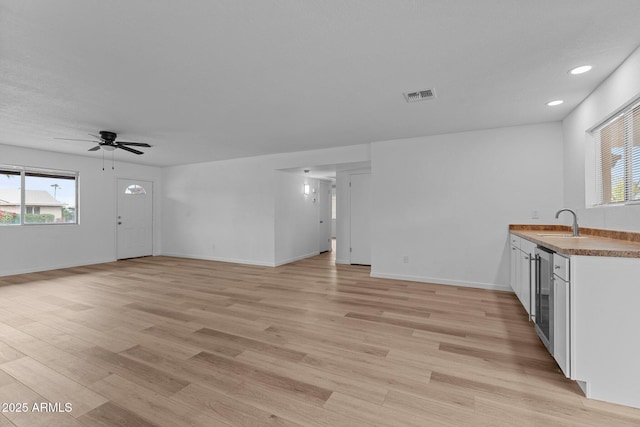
(422, 95)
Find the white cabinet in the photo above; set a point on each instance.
(604, 327)
(596, 316)
(561, 313)
(528, 275)
(522, 271)
(524, 268)
(514, 258)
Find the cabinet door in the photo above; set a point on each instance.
(561, 324)
(523, 282)
(529, 275)
(514, 268)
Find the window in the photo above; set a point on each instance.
(33, 210)
(618, 157)
(37, 196)
(135, 190)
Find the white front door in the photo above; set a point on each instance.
(135, 218)
(360, 219)
(324, 204)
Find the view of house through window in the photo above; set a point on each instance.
(135, 190)
(48, 197)
(618, 157)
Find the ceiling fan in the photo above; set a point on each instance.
(107, 141)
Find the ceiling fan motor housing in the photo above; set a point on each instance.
(108, 136)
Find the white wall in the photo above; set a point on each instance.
(296, 218)
(243, 211)
(220, 211)
(616, 91)
(446, 201)
(93, 240)
(343, 215)
(226, 210)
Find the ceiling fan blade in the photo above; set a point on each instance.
(95, 136)
(135, 144)
(96, 148)
(72, 139)
(129, 149)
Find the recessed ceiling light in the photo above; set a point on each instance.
(555, 102)
(581, 69)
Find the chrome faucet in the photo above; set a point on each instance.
(574, 227)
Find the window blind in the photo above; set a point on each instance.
(618, 157)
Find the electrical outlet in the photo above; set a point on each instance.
(535, 214)
(405, 259)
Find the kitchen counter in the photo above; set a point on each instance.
(591, 242)
(592, 303)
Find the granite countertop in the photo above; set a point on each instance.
(592, 241)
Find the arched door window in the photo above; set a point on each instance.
(135, 190)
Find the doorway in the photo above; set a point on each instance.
(339, 177)
(324, 207)
(134, 233)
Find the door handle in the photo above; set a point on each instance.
(321, 222)
(119, 222)
(532, 260)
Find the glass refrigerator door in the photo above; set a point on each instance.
(544, 298)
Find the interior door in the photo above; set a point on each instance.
(324, 205)
(360, 224)
(135, 218)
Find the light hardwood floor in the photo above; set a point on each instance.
(176, 342)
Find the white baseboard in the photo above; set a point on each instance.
(54, 267)
(584, 386)
(221, 259)
(411, 278)
(441, 281)
(298, 258)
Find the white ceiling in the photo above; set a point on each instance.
(211, 80)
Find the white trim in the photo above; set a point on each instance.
(54, 267)
(440, 281)
(220, 259)
(342, 261)
(584, 386)
(298, 258)
(35, 169)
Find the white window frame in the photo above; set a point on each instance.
(24, 171)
